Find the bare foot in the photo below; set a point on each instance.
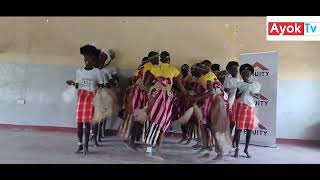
(218, 157)
(206, 155)
(203, 149)
(236, 153)
(80, 148)
(131, 146)
(182, 140)
(230, 152)
(158, 157)
(188, 142)
(247, 153)
(197, 146)
(85, 152)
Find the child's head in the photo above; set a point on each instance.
(199, 69)
(215, 67)
(207, 63)
(165, 57)
(185, 69)
(145, 60)
(232, 68)
(221, 76)
(91, 55)
(102, 59)
(246, 70)
(153, 57)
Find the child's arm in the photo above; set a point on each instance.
(70, 82)
(255, 88)
(76, 84)
(100, 79)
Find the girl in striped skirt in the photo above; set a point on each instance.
(247, 90)
(160, 102)
(205, 87)
(87, 81)
(136, 98)
(214, 118)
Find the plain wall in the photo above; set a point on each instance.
(38, 56)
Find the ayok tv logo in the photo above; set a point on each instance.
(293, 28)
(260, 70)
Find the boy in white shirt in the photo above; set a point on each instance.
(88, 79)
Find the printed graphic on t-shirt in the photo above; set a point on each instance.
(86, 82)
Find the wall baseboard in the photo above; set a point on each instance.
(39, 128)
(112, 132)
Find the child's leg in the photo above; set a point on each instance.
(86, 137)
(80, 134)
(237, 136)
(248, 137)
(95, 127)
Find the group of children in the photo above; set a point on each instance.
(238, 94)
(207, 102)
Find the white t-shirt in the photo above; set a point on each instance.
(245, 89)
(88, 79)
(231, 83)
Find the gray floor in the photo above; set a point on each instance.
(51, 147)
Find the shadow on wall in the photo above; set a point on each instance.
(313, 131)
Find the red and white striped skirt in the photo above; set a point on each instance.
(139, 98)
(232, 116)
(160, 114)
(245, 117)
(126, 96)
(85, 108)
(205, 108)
(161, 110)
(134, 96)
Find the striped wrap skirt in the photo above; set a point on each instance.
(245, 117)
(160, 115)
(85, 107)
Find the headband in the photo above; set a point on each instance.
(153, 56)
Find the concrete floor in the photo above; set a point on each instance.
(19, 146)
